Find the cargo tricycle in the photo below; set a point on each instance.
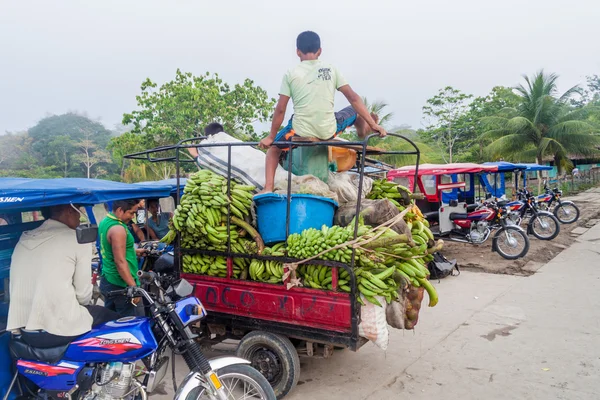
(275, 320)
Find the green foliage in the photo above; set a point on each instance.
(56, 140)
(543, 124)
(447, 122)
(181, 108)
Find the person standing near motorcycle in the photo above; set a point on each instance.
(158, 223)
(51, 282)
(119, 257)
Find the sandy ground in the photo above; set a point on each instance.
(490, 337)
(481, 258)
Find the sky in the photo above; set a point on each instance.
(91, 56)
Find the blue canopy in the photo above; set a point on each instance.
(22, 194)
(536, 167)
(504, 166)
(166, 182)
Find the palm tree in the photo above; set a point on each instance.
(378, 107)
(542, 125)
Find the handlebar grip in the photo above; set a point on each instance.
(146, 276)
(116, 293)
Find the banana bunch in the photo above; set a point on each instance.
(208, 265)
(320, 277)
(201, 214)
(268, 271)
(399, 195)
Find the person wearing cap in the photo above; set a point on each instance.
(51, 282)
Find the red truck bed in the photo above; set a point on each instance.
(312, 308)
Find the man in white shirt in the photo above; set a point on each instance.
(51, 284)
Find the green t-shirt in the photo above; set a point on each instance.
(109, 268)
(312, 85)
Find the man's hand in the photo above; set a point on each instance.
(379, 129)
(136, 300)
(141, 252)
(266, 142)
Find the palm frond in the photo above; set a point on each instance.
(493, 122)
(495, 134)
(580, 113)
(509, 146)
(569, 93)
(564, 131)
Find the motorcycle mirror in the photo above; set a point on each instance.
(87, 233)
(182, 288)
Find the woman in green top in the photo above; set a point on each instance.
(119, 256)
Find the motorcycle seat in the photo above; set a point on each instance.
(502, 203)
(458, 215)
(21, 349)
(471, 207)
(432, 215)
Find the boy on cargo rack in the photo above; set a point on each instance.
(311, 86)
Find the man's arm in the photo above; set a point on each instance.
(358, 106)
(82, 276)
(151, 233)
(138, 232)
(117, 237)
(278, 117)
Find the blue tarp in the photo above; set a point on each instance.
(22, 194)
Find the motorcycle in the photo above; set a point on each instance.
(101, 364)
(541, 224)
(476, 227)
(564, 210)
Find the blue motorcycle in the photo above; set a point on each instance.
(101, 364)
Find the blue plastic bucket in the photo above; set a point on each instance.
(306, 211)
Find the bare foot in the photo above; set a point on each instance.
(265, 190)
(362, 128)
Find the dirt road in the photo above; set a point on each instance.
(481, 258)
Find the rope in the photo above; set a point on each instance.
(358, 242)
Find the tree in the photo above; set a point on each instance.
(181, 108)
(590, 95)
(134, 170)
(54, 139)
(497, 100)
(378, 108)
(62, 147)
(445, 114)
(542, 125)
(90, 155)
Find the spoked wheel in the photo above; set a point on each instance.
(241, 382)
(566, 213)
(511, 242)
(275, 357)
(544, 226)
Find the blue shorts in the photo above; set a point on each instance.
(345, 118)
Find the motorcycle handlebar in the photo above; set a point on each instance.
(131, 292)
(146, 276)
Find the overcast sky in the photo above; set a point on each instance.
(91, 56)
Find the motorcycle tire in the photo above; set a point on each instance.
(553, 227)
(559, 212)
(239, 373)
(514, 231)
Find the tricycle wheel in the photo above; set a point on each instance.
(275, 357)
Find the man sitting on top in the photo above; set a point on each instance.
(311, 85)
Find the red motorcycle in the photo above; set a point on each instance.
(475, 227)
